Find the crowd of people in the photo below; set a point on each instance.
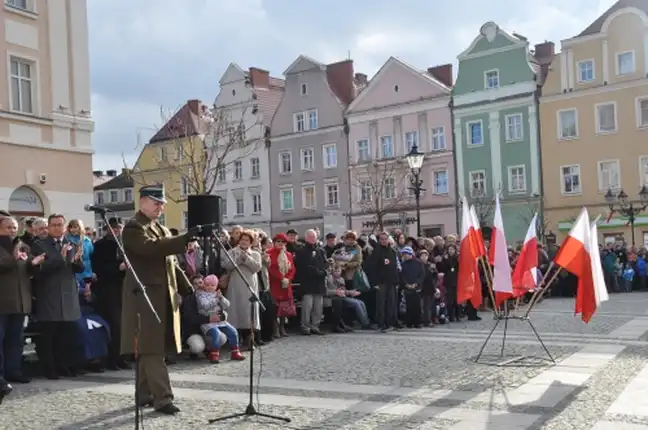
(78, 296)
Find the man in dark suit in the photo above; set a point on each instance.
(311, 264)
(108, 264)
(56, 294)
(151, 249)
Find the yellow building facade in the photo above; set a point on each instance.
(594, 123)
(174, 157)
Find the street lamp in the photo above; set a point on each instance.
(619, 203)
(415, 162)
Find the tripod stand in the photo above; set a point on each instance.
(255, 306)
(140, 289)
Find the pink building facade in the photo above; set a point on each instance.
(401, 107)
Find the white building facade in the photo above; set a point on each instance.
(248, 98)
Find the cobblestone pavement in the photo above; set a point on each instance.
(413, 379)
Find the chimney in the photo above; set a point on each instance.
(442, 74)
(194, 106)
(111, 173)
(545, 50)
(360, 79)
(259, 78)
(97, 173)
(340, 77)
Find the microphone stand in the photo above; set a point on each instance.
(139, 289)
(250, 410)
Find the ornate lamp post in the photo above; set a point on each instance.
(415, 162)
(620, 203)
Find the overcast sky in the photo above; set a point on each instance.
(153, 54)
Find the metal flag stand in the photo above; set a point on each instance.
(506, 316)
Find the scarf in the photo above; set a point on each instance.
(190, 258)
(282, 262)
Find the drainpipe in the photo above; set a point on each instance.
(454, 163)
(346, 128)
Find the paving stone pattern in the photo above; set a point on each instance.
(413, 379)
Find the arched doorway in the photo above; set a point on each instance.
(25, 202)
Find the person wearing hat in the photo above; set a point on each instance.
(292, 245)
(152, 250)
(332, 244)
(108, 264)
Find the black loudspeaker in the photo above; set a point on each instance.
(204, 209)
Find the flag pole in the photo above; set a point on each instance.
(544, 286)
(488, 273)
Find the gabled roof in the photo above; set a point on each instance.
(123, 180)
(597, 26)
(233, 71)
(187, 121)
(396, 61)
(303, 58)
(485, 31)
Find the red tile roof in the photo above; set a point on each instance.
(341, 80)
(187, 121)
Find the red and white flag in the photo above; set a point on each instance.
(498, 257)
(468, 281)
(525, 274)
(479, 237)
(579, 255)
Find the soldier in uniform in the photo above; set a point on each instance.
(152, 251)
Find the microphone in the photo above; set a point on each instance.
(96, 209)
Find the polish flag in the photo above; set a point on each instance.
(579, 255)
(478, 236)
(468, 281)
(498, 257)
(525, 275)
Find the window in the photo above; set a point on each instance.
(517, 179)
(363, 150)
(163, 154)
(224, 206)
(307, 159)
(220, 174)
(514, 127)
(256, 204)
(643, 170)
(240, 206)
(285, 163)
(625, 63)
(438, 139)
(642, 112)
(411, 139)
(185, 220)
(287, 202)
(329, 154)
(238, 170)
(128, 195)
(477, 183)
(365, 191)
(386, 147)
(586, 71)
(332, 195)
(609, 175)
(567, 124)
(184, 187)
(389, 188)
(300, 122)
(255, 168)
(491, 79)
(571, 183)
(475, 135)
(21, 85)
(19, 4)
(304, 89)
(308, 197)
(440, 179)
(100, 198)
(312, 120)
(179, 152)
(606, 118)
(114, 196)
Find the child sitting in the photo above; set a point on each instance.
(206, 307)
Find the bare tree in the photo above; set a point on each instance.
(198, 146)
(526, 214)
(484, 207)
(380, 187)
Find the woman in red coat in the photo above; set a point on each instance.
(281, 272)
